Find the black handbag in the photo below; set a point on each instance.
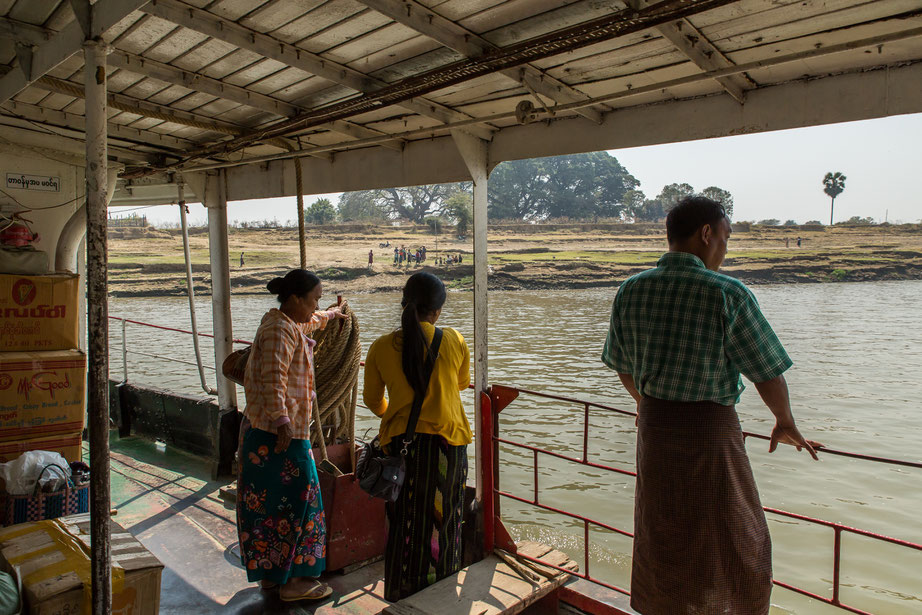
(382, 475)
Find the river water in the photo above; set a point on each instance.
(855, 386)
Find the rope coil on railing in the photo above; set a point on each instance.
(337, 358)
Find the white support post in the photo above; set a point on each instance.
(98, 323)
(215, 200)
(475, 153)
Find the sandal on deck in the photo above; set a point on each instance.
(318, 591)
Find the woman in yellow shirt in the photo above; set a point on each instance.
(424, 524)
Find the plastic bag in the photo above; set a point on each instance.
(35, 468)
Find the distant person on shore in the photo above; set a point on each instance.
(241, 259)
(680, 336)
(787, 242)
(798, 242)
(396, 254)
(371, 259)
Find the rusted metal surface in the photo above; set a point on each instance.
(97, 322)
(355, 520)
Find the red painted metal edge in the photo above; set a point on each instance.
(502, 396)
(588, 603)
(503, 538)
(486, 472)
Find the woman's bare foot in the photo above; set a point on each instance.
(304, 588)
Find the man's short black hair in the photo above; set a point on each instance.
(690, 214)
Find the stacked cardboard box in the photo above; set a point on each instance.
(53, 561)
(42, 375)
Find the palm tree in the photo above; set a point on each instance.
(833, 185)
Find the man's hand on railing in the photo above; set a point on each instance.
(789, 434)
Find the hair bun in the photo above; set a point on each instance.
(276, 285)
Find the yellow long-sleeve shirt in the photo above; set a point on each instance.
(442, 413)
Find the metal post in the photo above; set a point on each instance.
(124, 350)
(488, 460)
(94, 53)
(302, 241)
(216, 201)
(474, 151)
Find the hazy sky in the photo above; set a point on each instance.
(771, 175)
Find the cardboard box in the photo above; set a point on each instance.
(41, 393)
(38, 312)
(53, 558)
(69, 445)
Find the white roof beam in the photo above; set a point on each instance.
(266, 46)
(455, 36)
(22, 32)
(22, 133)
(116, 131)
(99, 18)
(201, 83)
(697, 48)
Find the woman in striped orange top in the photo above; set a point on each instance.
(279, 510)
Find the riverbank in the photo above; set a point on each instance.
(149, 262)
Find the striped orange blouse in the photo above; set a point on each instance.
(279, 378)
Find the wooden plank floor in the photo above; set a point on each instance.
(168, 502)
(489, 587)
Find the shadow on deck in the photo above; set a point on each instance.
(167, 500)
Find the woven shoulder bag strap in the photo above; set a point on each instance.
(417, 399)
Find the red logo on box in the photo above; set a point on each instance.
(24, 292)
(5, 381)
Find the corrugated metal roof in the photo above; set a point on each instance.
(202, 81)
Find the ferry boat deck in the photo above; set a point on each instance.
(167, 499)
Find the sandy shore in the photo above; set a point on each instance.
(149, 262)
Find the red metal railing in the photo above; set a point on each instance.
(174, 329)
(494, 532)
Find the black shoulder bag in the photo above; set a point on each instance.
(382, 475)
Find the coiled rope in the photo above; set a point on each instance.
(337, 358)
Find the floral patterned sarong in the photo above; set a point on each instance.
(279, 510)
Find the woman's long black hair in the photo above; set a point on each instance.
(423, 294)
(297, 282)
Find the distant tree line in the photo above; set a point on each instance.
(589, 186)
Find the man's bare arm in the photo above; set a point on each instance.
(774, 393)
(628, 381)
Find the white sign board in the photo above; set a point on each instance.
(33, 182)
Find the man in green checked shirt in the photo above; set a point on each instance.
(681, 334)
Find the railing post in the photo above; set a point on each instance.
(124, 350)
(836, 560)
(485, 469)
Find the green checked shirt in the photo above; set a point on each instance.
(686, 333)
